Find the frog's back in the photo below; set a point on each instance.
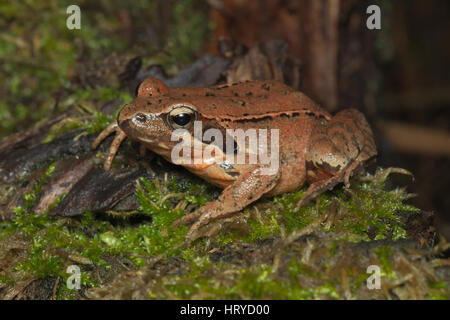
(248, 100)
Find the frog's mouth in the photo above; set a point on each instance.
(131, 131)
(154, 143)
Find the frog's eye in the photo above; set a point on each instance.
(140, 117)
(181, 117)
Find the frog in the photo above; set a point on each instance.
(314, 147)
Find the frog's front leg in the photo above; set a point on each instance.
(337, 150)
(249, 187)
(118, 139)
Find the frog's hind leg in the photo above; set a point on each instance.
(321, 186)
(337, 150)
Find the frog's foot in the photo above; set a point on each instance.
(189, 218)
(118, 139)
(321, 186)
(249, 187)
(204, 215)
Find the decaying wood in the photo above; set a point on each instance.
(319, 41)
(329, 37)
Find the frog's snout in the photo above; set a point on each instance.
(136, 125)
(138, 120)
(123, 114)
(125, 125)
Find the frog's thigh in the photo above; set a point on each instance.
(351, 126)
(347, 137)
(337, 150)
(324, 157)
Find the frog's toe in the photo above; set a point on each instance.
(142, 150)
(201, 217)
(109, 130)
(189, 218)
(196, 214)
(193, 231)
(353, 168)
(321, 186)
(118, 139)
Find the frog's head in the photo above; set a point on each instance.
(154, 114)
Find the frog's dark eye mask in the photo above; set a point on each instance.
(181, 117)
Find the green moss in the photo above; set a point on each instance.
(439, 290)
(51, 237)
(188, 35)
(27, 223)
(384, 254)
(40, 262)
(90, 120)
(38, 62)
(162, 202)
(256, 282)
(6, 280)
(367, 205)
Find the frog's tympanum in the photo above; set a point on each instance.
(314, 147)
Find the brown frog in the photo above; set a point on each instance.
(314, 147)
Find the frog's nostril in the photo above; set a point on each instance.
(140, 117)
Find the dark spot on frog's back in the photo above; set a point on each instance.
(209, 94)
(264, 118)
(242, 103)
(266, 86)
(248, 94)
